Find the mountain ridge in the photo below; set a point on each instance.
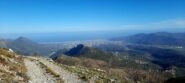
(25, 46)
(158, 38)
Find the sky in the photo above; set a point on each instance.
(103, 16)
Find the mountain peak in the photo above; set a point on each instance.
(24, 39)
(76, 50)
(80, 46)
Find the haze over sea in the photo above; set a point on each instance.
(67, 20)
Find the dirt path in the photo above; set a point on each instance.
(66, 76)
(37, 74)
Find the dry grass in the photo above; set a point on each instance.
(49, 70)
(4, 51)
(87, 69)
(84, 68)
(150, 76)
(86, 62)
(14, 64)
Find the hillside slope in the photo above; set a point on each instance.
(89, 52)
(12, 69)
(28, 69)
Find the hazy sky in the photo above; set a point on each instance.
(24, 16)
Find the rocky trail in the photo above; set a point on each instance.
(37, 74)
(42, 70)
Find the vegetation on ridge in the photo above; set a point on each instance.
(12, 68)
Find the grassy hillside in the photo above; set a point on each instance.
(87, 68)
(165, 57)
(131, 66)
(12, 69)
(88, 52)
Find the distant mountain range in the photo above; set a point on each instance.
(159, 38)
(24, 46)
(29, 47)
